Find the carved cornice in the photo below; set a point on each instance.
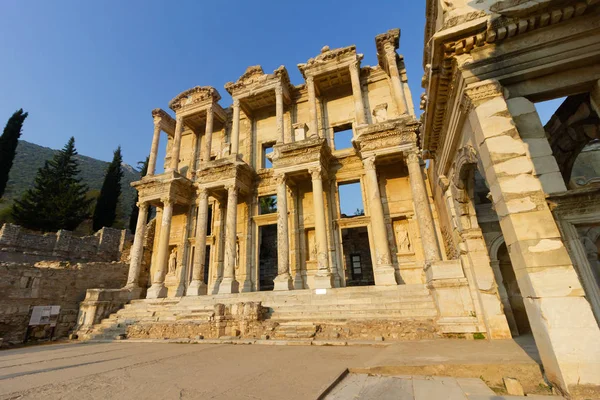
(256, 77)
(194, 95)
(328, 56)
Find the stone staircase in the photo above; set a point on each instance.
(298, 314)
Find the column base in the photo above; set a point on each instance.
(134, 290)
(385, 276)
(196, 288)
(229, 285)
(298, 282)
(322, 281)
(157, 291)
(283, 282)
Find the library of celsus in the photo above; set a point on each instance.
(474, 220)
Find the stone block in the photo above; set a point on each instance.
(537, 147)
(523, 183)
(539, 253)
(518, 106)
(513, 386)
(552, 182)
(528, 226)
(544, 165)
(557, 281)
(514, 166)
(515, 206)
(447, 269)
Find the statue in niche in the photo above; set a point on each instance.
(173, 261)
(403, 240)
(380, 113)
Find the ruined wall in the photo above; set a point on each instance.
(50, 283)
(23, 246)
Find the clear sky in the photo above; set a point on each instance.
(96, 69)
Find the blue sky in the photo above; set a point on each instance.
(96, 69)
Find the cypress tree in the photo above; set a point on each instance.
(135, 210)
(57, 199)
(105, 212)
(8, 145)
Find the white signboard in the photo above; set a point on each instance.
(44, 315)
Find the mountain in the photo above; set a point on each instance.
(31, 157)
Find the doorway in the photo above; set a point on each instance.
(267, 256)
(357, 257)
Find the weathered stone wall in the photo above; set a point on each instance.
(20, 245)
(50, 283)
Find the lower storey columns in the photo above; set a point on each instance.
(137, 249)
(431, 248)
(283, 281)
(383, 271)
(158, 288)
(198, 286)
(229, 284)
(323, 275)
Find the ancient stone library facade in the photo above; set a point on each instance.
(497, 237)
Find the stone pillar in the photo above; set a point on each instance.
(235, 127)
(229, 284)
(198, 286)
(359, 107)
(137, 249)
(158, 288)
(176, 145)
(399, 95)
(208, 134)
(431, 249)
(563, 325)
(383, 270)
(283, 281)
(279, 113)
(313, 123)
(323, 275)
(154, 149)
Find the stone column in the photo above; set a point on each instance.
(208, 134)
(158, 288)
(283, 281)
(313, 123)
(176, 145)
(359, 107)
(137, 249)
(198, 286)
(229, 284)
(383, 271)
(235, 127)
(431, 249)
(399, 98)
(279, 113)
(563, 324)
(154, 149)
(323, 275)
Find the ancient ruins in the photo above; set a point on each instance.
(477, 220)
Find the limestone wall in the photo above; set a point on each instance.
(23, 246)
(61, 283)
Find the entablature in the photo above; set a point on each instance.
(165, 122)
(171, 186)
(256, 90)
(386, 138)
(231, 170)
(331, 68)
(297, 155)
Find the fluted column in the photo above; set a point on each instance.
(198, 286)
(313, 123)
(176, 145)
(137, 249)
(235, 127)
(229, 284)
(384, 271)
(279, 113)
(158, 288)
(208, 134)
(323, 276)
(399, 98)
(359, 107)
(420, 199)
(154, 149)
(283, 281)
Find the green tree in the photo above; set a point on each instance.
(105, 212)
(57, 199)
(135, 210)
(8, 145)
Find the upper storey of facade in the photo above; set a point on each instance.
(270, 117)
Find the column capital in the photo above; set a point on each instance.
(369, 163)
(210, 109)
(310, 79)
(230, 187)
(412, 156)
(281, 179)
(316, 173)
(201, 192)
(167, 201)
(355, 65)
(142, 204)
(390, 49)
(236, 102)
(279, 89)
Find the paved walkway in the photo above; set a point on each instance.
(209, 371)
